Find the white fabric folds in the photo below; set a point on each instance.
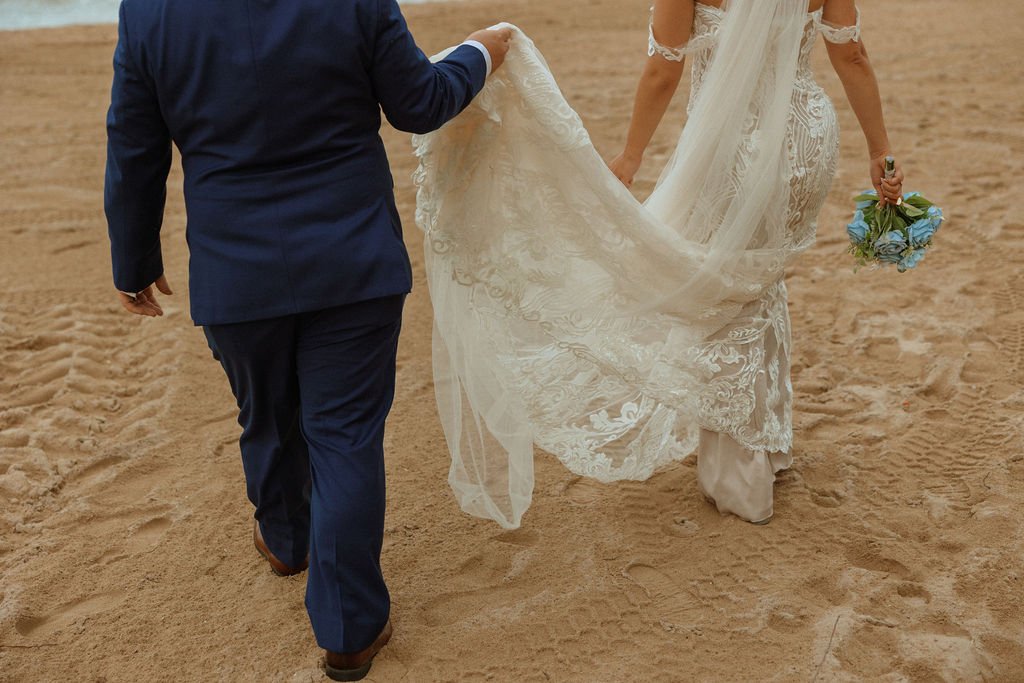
(567, 314)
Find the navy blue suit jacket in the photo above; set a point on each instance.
(275, 107)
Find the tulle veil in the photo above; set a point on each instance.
(565, 311)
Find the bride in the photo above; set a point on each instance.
(622, 336)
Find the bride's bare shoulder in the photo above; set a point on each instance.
(839, 12)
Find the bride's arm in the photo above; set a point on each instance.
(672, 21)
(850, 60)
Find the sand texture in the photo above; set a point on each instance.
(897, 545)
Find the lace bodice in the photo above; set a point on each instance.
(814, 130)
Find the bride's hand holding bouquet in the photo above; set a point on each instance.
(890, 189)
(889, 227)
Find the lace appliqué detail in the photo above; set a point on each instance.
(749, 395)
(838, 34)
(672, 54)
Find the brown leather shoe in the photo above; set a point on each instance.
(279, 567)
(353, 667)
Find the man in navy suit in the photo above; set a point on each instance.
(297, 269)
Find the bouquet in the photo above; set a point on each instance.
(895, 233)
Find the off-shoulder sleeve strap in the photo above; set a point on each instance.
(675, 54)
(839, 34)
(672, 54)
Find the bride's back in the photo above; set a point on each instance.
(812, 134)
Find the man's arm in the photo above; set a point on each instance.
(138, 161)
(416, 95)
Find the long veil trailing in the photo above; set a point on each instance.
(566, 313)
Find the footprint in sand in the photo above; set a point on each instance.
(873, 557)
(672, 603)
(35, 625)
(490, 580)
(788, 618)
(943, 380)
(678, 525)
(96, 471)
(526, 538)
(142, 539)
(148, 534)
(583, 491)
(826, 498)
(914, 592)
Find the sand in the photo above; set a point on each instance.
(896, 549)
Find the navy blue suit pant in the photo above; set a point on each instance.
(313, 392)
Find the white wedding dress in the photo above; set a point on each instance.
(614, 334)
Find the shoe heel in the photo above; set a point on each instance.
(357, 674)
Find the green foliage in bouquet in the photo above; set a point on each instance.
(892, 234)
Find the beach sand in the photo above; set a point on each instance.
(897, 544)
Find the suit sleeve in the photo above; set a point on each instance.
(416, 95)
(138, 161)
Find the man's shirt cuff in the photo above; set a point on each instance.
(483, 50)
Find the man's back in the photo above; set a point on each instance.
(298, 271)
(275, 107)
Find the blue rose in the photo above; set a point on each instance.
(934, 212)
(868, 202)
(910, 260)
(889, 247)
(921, 231)
(858, 229)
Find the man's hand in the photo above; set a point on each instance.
(145, 302)
(496, 41)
